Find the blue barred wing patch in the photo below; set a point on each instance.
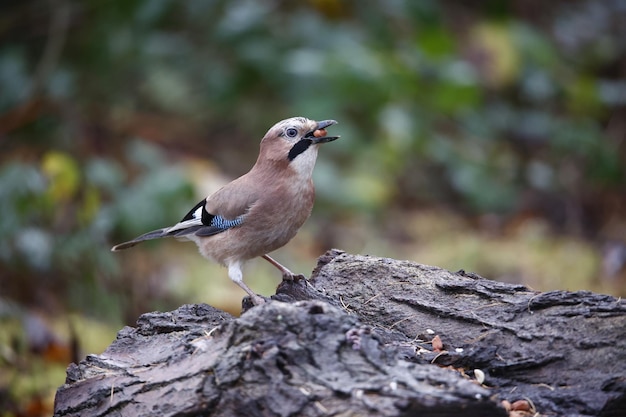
(222, 223)
(218, 225)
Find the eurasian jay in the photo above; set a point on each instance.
(260, 211)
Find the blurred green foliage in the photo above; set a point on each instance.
(496, 111)
(57, 219)
(414, 90)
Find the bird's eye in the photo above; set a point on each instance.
(291, 132)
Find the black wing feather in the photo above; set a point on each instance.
(211, 224)
(206, 216)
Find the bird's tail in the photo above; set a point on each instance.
(155, 234)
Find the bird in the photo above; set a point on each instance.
(260, 211)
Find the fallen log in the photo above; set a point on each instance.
(367, 336)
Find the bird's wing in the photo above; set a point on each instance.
(202, 223)
(198, 221)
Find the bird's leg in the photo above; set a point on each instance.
(235, 274)
(287, 274)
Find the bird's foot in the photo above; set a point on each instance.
(289, 276)
(252, 301)
(257, 300)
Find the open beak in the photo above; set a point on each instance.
(321, 130)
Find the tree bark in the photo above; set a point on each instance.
(362, 338)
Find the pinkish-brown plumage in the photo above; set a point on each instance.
(260, 211)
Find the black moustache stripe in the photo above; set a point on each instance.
(300, 146)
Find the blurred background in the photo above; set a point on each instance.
(487, 136)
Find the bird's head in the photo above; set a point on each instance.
(296, 140)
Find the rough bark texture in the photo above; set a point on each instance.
(357, 340)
